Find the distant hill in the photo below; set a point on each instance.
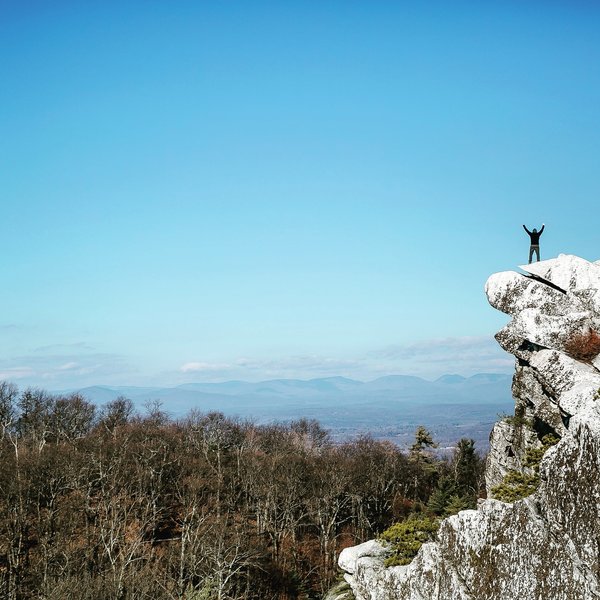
(389, 407)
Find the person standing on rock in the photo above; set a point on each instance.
(535, 241)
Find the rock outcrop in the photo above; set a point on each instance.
(546, 545)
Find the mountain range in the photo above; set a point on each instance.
(389, 407)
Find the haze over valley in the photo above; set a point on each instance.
(389, 407)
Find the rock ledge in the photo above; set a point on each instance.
(546, 545)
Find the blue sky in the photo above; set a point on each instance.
(200, 191)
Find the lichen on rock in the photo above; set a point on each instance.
(547, 544)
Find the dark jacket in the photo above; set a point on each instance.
(535, 237)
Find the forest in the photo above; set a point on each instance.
(110, 503)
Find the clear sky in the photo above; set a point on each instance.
(201, 191)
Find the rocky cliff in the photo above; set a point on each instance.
(545, 545)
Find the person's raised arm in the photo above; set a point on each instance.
(542, 229)
(527, 230)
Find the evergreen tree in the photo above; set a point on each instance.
(457, 503)
(439, 499)
(423, 440)
(425, 468)
(466, 466)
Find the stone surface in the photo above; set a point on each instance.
(547, 545)
(355, 556)
(508, 444)
(568, 272)
(341, 591)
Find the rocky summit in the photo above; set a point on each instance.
(537, 536)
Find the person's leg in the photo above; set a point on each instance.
(530, 253)
(537, 252)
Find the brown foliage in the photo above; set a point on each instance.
(111, 504)
(584, 346)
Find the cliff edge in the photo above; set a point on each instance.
(546, 544)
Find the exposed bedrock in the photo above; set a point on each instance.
(546, 545)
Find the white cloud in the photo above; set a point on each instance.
(66, 370)
(440, 346)
(299, 366)
(431, 358)
(16, 373)
(68, 366)
(70, 348)
(203, 367)
(434, 357)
